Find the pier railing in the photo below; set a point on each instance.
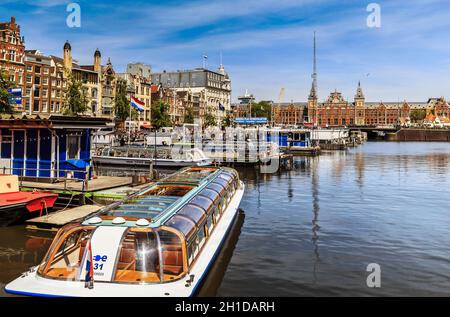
(67, 175)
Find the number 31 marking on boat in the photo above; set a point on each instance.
(99, 258)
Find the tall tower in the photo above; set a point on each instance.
(360, 101)
(97, 61)
(312, 98)
(314, 75)
(67, 59)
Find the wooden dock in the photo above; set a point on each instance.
(55, 220)
(96, 184)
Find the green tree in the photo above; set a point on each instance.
(417, 115)
(189, 115)
(262, 109)
(76, 100)
(160, 115)
(209, 120)
(122, 103)
(227, 120)
(5, 84)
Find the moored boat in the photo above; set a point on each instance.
(144, 156)
(160, 241)
(16, 205)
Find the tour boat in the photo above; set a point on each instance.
(139, 157)
(161, 241)
(16, 205)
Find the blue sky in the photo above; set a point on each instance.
(266, 44)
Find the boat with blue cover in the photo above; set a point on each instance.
(161, 241)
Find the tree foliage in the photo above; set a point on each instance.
(417, 115)
(209, 120)
(262, 109)
(122, 105)
(5, 84)
(189, 115)
(227, 120)
(160, 115)
(76, 100)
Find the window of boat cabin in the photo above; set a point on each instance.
(172, 254)
(139, 258)
(222, 192)
(209, 224)
(64, 259)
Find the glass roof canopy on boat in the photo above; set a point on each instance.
(159, 201)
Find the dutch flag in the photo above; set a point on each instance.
(89, 280)
(137, 104)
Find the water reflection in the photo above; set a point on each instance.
(315, 220)
(217, 272)
(313, 230)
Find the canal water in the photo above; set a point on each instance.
(314, 230)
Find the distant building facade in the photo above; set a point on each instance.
(289, 113)
(142, 90)
(208, 91)
(12, 54)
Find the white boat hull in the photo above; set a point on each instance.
(136, 161)
(31, 284)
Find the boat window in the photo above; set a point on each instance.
(217, 213)
(209, 224)
(202, 202)
(216, 187)
(64, 261)
(211, 194)
(222, 182)
(138, 260)
(194, 213)
(169, 190)
(182, 224)
(172, 255)
(195, 245)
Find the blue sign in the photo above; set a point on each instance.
(15, 96)
(251, 120)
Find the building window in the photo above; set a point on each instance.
(37, 80)
(44, 106)
(73, 147)
(29, 68)
(46, 70)
(37, 69)
(45, 81)
(29, 79)
(12, 55)
(36, 93)
(36, 106)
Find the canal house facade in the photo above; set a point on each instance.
(47, 148)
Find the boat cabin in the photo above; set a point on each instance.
(153, 236)
(46, 148)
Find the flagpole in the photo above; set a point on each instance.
(129, 125)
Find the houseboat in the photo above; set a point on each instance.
(161, 241)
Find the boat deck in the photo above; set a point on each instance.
(55, 220)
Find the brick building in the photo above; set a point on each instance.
(289, 113)
(12, 53)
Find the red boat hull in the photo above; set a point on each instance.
(17, 206)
